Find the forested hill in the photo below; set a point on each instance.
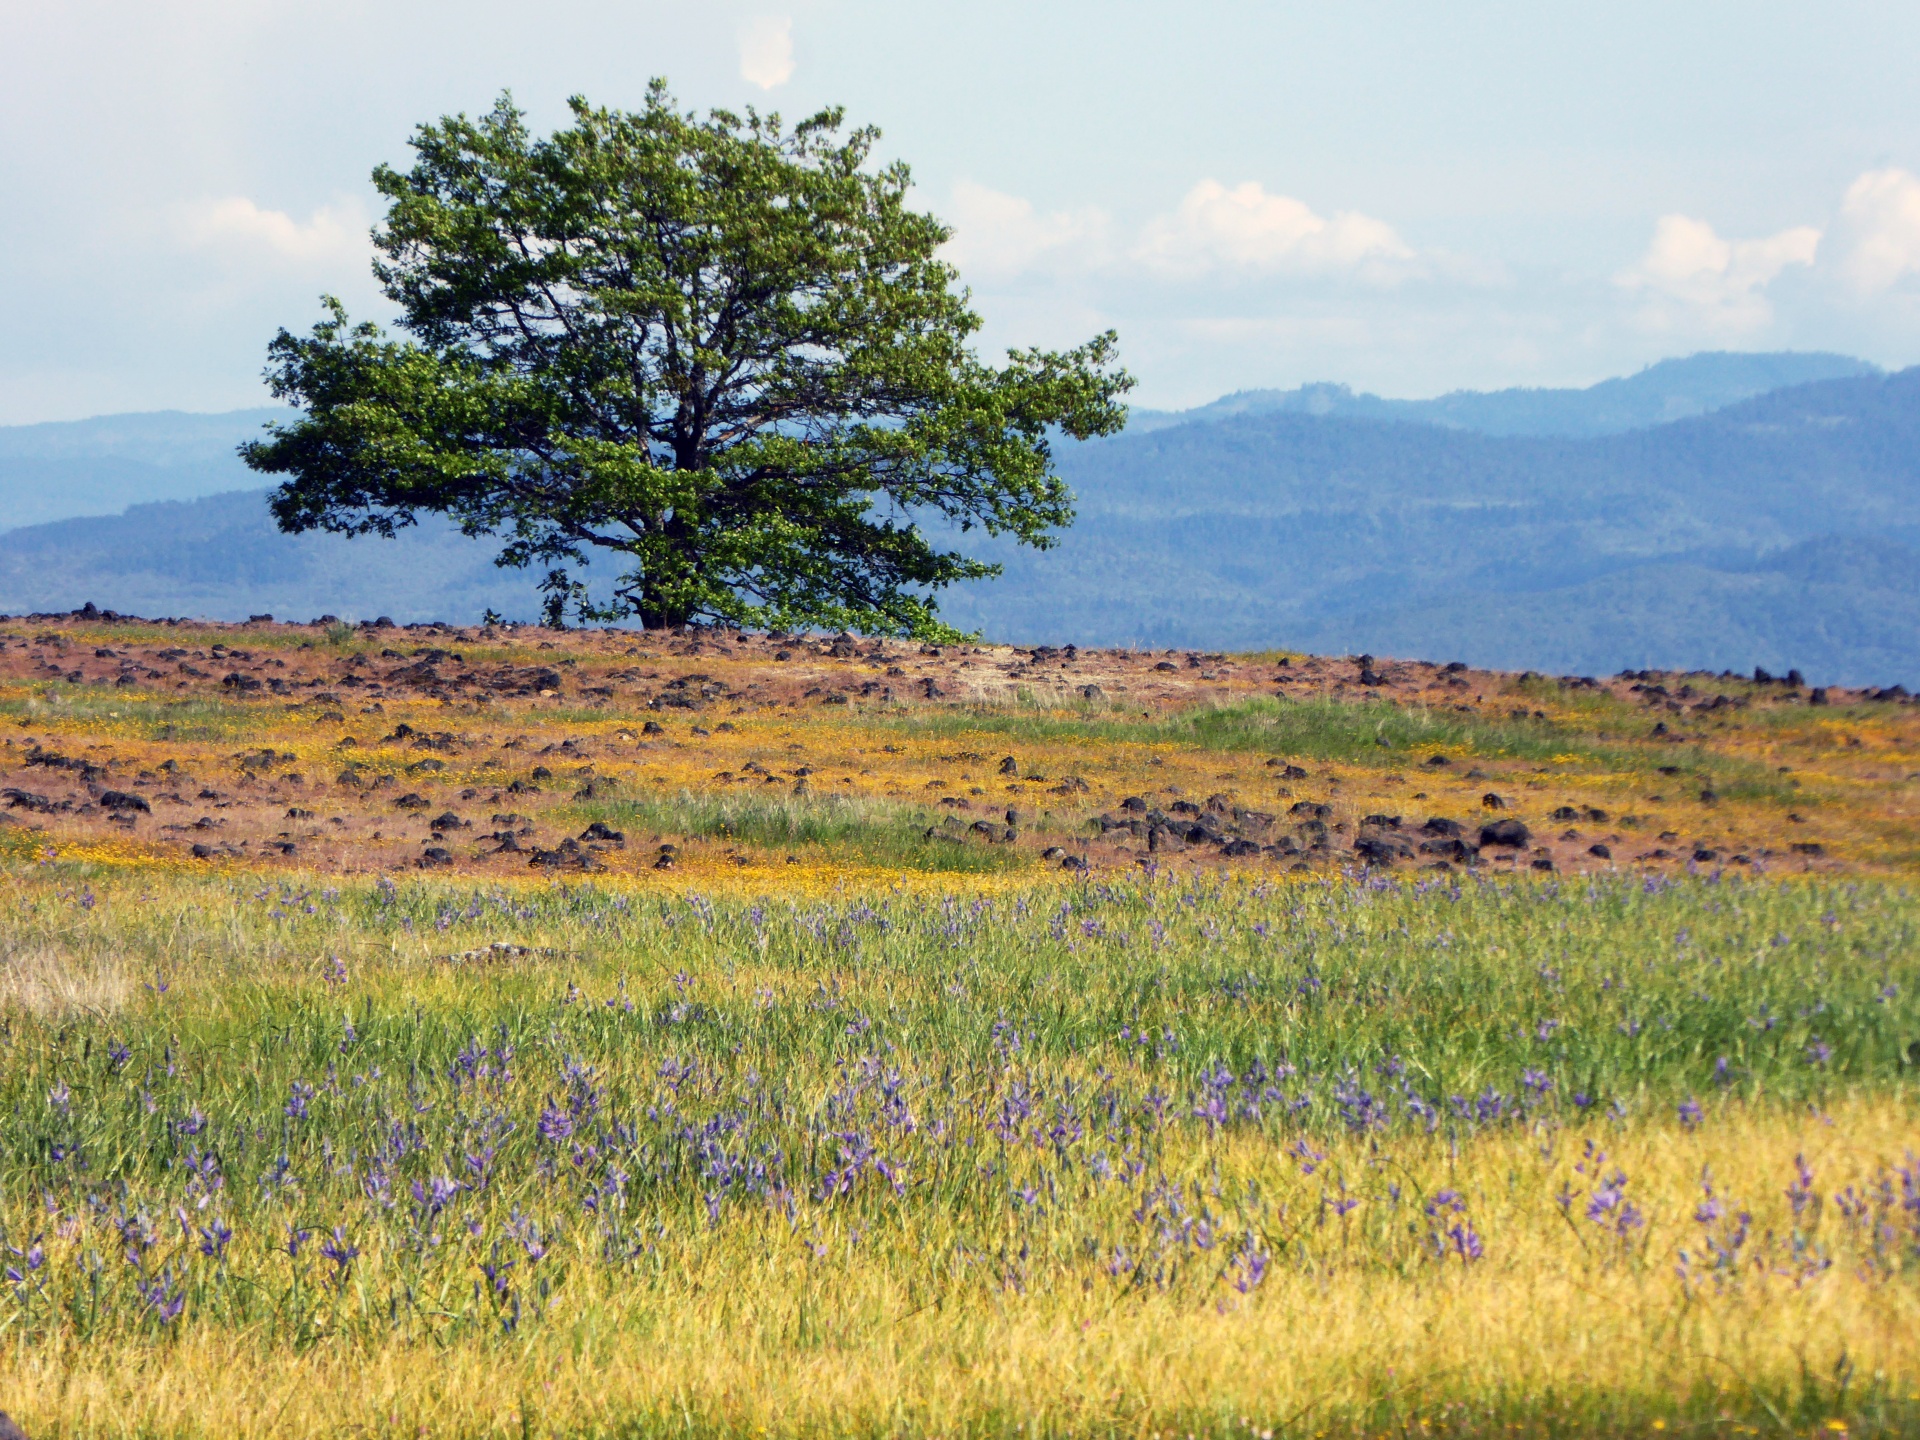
(1657, 546)
(1782, 531)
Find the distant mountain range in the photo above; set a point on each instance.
(101, 466)
(1733, 539)
(1670, 390)
(223, 558)
(1524, 529)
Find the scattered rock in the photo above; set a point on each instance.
(1510, 834)
(1383, 850)
(567, 855)
(18, 799)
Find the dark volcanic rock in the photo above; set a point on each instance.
(1378, 849)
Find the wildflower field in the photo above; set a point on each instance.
(796, 1103)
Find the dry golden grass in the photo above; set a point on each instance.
(158, 1006)
(747, 1333)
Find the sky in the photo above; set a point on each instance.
(1405, 197)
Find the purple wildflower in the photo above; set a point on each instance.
(555, 1125)
(297, 1097)
(528, 1234)
(163, 1298)
(1248, 1265)
(341, 1251)
(1609, 1208)
(1800, 1193)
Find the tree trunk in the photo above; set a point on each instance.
(655, 616)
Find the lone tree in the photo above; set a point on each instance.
(723, 351)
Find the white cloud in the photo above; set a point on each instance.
(998, 236)
(331, 235)
(1879, 230)
(1691, 275)
(766, 51)
(1246, 229)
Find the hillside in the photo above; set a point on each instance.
(223, 557)
(1670, 390)
(101, 466)
(1780, 531)
(1331, 533)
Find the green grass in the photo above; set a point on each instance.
(141, 715)
(1373, 733)
(1123, 1158)
(830, 827)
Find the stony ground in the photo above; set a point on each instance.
(496, 750)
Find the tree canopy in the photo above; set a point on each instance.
(723, 353)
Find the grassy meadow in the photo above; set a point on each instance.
(838, 1129)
